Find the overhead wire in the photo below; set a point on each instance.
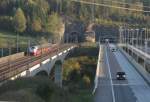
(131, 4)
(110, 6)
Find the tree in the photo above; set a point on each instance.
(55, 26)
(36, 25)
(19, 21)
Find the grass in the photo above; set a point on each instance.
(7, 38)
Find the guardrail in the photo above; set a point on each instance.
(137, 50)
(97, 70)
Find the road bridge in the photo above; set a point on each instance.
(108, 89)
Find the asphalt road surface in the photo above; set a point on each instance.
(134, 89)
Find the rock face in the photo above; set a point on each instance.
(89, 33)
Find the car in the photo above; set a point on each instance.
(113, 49)
(121, 75)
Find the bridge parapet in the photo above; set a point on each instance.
(98, 69)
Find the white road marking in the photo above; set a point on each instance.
(121, 85)
(141, 90)
(127, 84)
(112, 88)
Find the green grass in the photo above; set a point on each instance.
(9, 39)
(12, 35)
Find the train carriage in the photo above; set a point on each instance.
(40, 49)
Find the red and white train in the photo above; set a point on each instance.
(41, 49)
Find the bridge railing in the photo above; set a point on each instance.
(137, 50)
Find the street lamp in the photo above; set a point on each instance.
(137, 37)
(120, 34)
(143, 29)
(17, 42)
(129, 35)
(125, 35)
(132, 37)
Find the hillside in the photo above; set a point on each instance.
(44, 17)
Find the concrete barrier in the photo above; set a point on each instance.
(11, 57)
(97, 69)
(138, 67)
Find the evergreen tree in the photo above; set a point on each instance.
(19, 21)
(36, 25)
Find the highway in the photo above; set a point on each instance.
(134, 89)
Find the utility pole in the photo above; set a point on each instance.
(61, 6)
(120, 33)
(145, 43)
(93, 9)
(2, 52)
(141, 43)
(137, 37)
(132, 39)
(29, 43)
(17, 43)
(124, 33)
(128, 39)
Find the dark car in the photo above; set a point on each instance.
(121, 75)
(114, 50)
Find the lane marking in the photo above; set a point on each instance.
(112, 88)
(121, 85)
(126, 84)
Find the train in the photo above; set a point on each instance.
(41, 49)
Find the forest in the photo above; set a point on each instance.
(45, 17)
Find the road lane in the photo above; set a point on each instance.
(140, 88)
(110, 77)
(122, 92)
(103, 92)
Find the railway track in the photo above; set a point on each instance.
(12, 68)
